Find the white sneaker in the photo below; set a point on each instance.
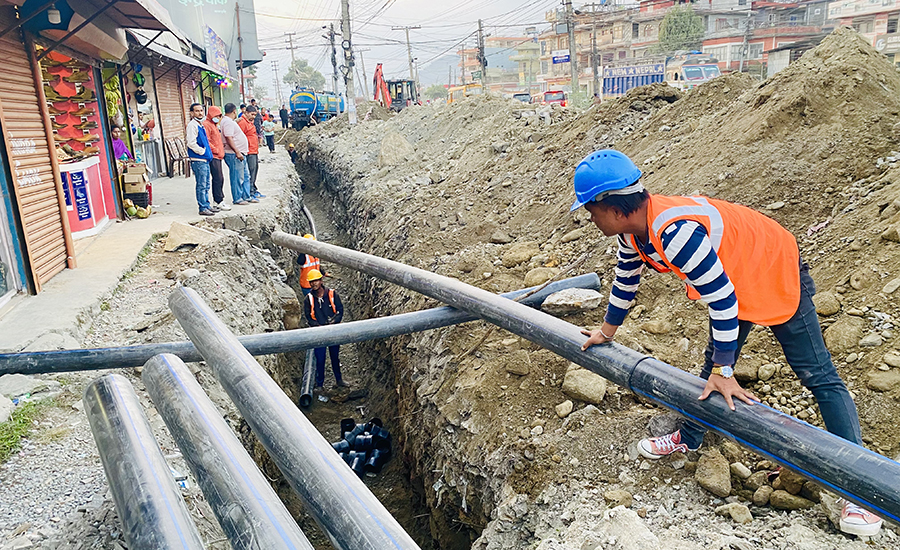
(222, 206)
(858, 521)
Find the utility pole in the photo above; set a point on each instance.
(278, 97)
(573, 51)
(362, 64)
(290, 40)
(594, 65)
(746, 41)
(334, 74)
(347, 67)
(481, 59)
(408, 47)
(237, 14)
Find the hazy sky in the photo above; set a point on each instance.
(444, 25)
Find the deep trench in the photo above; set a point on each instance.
(376, 391)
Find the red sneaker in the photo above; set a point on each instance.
(858, 521)
(658, 447)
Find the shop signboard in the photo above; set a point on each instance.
(888, 43)
(79, 189)
(216, 52)
(560, 56)
(65, 186)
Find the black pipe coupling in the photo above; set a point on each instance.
(366, 448)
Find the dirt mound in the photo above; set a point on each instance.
(811, 147)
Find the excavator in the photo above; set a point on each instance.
(394, 94)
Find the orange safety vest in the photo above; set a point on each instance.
(312, 303)
(311, 263)
(759, 256)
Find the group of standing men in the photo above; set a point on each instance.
(234, 138)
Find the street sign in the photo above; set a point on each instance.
(560, 56)
(476, 75)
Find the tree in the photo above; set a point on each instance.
(681, 29)
(435, 91)
(302, 73)
(257, 90)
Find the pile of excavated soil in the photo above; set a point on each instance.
(461, 189)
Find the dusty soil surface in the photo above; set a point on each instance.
(462, 189)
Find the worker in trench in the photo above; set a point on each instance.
(323, 307)
(744, 265)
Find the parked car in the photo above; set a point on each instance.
(524, 97)
(554, 96)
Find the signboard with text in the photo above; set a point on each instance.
(216, 52)
(79, 189)
(639, 70)
(887, 43)
(560, 56)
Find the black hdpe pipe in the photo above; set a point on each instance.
(341, 504)
(148, 501)
(856, 473)
(250, 513)
(309, 374)
(41, 362)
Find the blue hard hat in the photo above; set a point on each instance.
(603, 170)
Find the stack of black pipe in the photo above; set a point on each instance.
(365, 447)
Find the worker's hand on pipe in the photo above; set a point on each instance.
(729, 388)
(601, 335)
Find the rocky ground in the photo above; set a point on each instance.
(501, 444)
(480, 190)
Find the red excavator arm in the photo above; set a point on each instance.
(381, 88)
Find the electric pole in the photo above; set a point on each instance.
(237, 14)
(481, 59)
(594, 64)
(278, 97)
(573, 53)
(362, 64)
(290, 41)
(745, 46)
(408, 48)
(334, 74)
(347, 67)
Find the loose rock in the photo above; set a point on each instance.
(892, 286)
(892, 358)
(766, 371)
(740, 470)
(182, 234)
(584, 385)
(761, 495)
(618, 497)
(540, 275)
(657, 326)
(871, 341)
(844, 334)
(572, 300)
(883, 381)
(564, 409)
(738, 512)
(783, 500)
(826, 303)
(520, 252)
(713, 473)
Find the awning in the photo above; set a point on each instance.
(133, 14)
(144, 40)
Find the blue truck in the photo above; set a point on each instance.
(306, 102)
(680, 71)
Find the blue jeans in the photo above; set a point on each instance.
(320, 364)
(201, 175)
(236, 170)
(245, 185)
(804, 348)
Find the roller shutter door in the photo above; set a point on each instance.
(171, 111)
(35, 175)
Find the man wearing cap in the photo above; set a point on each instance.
(744, 266)
(323, 307)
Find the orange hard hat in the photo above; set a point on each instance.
(309, 236)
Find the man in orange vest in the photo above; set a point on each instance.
(323, 307)
(307, 263)
(744, 266)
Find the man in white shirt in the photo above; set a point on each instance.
(236, 147)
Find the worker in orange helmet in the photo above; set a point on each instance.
(744, 266)
(323, 307)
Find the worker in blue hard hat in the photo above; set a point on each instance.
(744, 266)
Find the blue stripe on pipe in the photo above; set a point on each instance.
(159, 483)
(327, 461)
(231, 457)
(870, 505)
